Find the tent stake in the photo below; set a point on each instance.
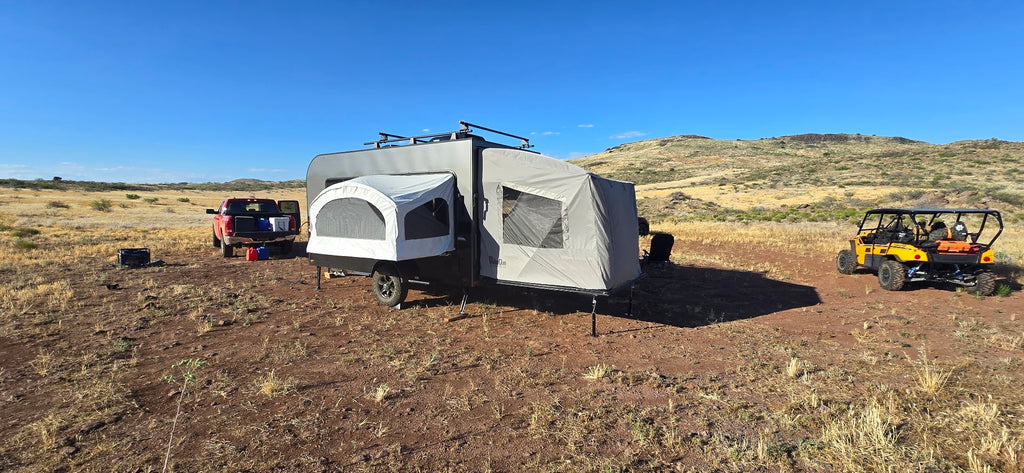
(318, 271)
(593, 318)
(462, 309)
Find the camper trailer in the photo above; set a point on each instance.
(456, 210)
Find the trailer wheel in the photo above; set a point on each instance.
(216, 241)
(891, 275)
(984, 284)
(388, 286)
(846, 262)
(226, 250)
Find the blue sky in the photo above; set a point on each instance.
(214, 91)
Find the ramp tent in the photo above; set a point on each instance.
(461, 211)
(557, 224)
(387, 218)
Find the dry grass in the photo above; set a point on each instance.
(520, 390)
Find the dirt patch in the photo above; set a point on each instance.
(707, 368)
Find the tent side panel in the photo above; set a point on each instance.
(524, 242)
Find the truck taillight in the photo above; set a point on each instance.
(229, 225)
(291, 223)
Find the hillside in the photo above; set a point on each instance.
(822, 175)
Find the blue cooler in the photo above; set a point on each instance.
(262, 253)
(262, 225)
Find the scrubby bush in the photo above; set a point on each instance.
(150, 200)
(183, 199)
(56, 204)
(25, 245)
(132, 196)
(102, 205)
(24, 232)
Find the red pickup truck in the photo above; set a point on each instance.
(255, 222)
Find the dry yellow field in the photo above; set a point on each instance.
(747, 353)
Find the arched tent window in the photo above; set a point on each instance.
(531, 220)
(350, 218)
(429, 220)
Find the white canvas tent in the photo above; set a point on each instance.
(557, 224)
(387, 218)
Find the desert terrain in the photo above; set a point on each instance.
(746, 352)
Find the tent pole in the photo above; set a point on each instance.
(318, 271)
(629, 311)
(593, 317)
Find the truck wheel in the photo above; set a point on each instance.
(286, 247)
(846, 262)
(388, 286)
(216, 241)
(891, 275)
(984, 284)
(227, 250)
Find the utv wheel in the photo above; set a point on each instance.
(388, 286)
(846, 262)
(226, 250)
(984, 284)
(891, 275)
(216, 241)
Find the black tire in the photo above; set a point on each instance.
(891, 275)
(846, 262)
(226, 250)
(388, 286)
(286, 247)
(645, 228)
(216, 241)
(984, 284)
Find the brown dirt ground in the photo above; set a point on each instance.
(501, 390)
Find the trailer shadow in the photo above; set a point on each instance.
(679, 296)
(689, 296)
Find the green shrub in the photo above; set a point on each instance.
(24, 232)
(1012, 198)
(150, 200)
(25, 245)
(56, 204)
(102, 205)
(1003, 290)
(183, 199)
(132, 196)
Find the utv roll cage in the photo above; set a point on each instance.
(914, 226)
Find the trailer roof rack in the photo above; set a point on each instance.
(464, 130)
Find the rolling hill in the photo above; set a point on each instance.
(812, 176)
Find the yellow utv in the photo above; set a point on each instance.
(939, 245)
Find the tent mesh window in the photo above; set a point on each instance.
(350, 218)
(429, 220)
(531, 220)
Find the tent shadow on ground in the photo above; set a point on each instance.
(679, 296)
(689, 296)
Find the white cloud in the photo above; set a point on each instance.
(544, 133)
(628, 135)
(577, 154)
(585, 126)
(426, 130)
(267, 171)
(78, 172)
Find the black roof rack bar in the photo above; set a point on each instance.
(390, 138)
(464, 130)
(524, 142)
